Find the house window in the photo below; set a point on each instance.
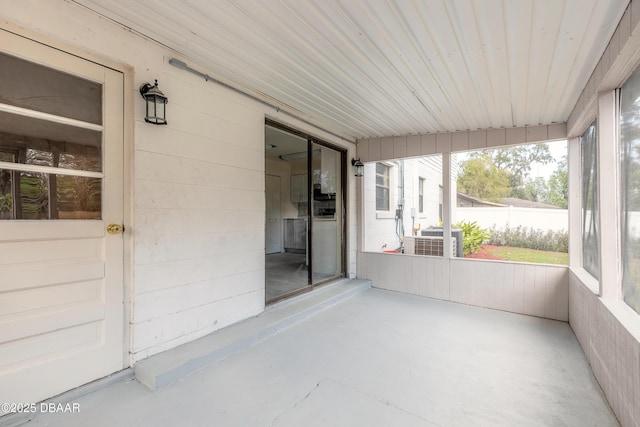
(589, 198)
(382, 187)
(630, 189)
(421, 195)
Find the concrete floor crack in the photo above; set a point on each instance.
(295, 405)
(387, 403)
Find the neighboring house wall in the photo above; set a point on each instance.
(197, 215)
(380, 225)
(429, 168)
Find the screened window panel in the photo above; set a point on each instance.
(590, 206)
(630, 189)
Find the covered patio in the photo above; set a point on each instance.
(176, 248)
(376, 358)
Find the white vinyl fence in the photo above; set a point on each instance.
(500, 218)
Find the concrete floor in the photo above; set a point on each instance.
(285, 272)
(376, 359)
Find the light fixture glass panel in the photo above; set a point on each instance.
(151, 108)
(161, 111)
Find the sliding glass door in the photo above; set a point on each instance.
(327, 213)
(287, 219)
(304, 206)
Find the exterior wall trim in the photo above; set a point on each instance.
(377, 149)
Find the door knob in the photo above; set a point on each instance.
(115, 228)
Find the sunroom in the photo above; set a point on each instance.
(296, 148)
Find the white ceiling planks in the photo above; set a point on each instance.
(375, 68)
(546, 22)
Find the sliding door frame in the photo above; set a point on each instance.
(343, 206)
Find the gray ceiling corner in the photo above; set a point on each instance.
(376, 68)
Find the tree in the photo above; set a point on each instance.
(558, 194)
(517, 161)
(481, 178)
(497, 173)
(535, 190)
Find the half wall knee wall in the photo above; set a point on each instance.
(531, 289)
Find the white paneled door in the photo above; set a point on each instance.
(61, 190)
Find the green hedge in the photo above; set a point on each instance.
(473, 236)
(524, 237)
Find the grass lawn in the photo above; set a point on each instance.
(529, 255)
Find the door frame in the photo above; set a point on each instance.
(128, 149)
(311, 139)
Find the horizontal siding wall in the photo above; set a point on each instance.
(197, 220)
(378, 149)
(532, 289)
(612, 346)
(198, 208)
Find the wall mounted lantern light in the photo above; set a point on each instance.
(155, 100)
(358, 166)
